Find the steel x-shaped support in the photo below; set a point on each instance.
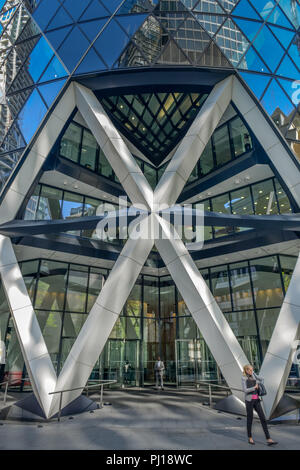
(105, 312)
(197, 296)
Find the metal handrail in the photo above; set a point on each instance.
(7, 383)
(215, 385)
(86, 387)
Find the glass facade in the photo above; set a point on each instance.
(154, 122)
(231, 140)
(154, 320)
(266, 197)
(142, 33)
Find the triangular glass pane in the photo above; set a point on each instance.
(288, 69)
(170, 5)
(131, 57)
(211, 23)
(30, 30)
(249, 28)
(214, 57)
(257, 83)
(192, 39)
(131, 23)
(4, 52)
(151, 38)
(244, 8)
(61, 18)
(266, 42)
(23, 50)
(111, 5)
(172, 55)
(291, 91)
(56, 37)
(251, 61)
(11, 161)
(134, 6)
(277, 17)
(292, 10)
(75, 9)
(39, 58)
(232, 42)
(207, 6)
(16, 102)
(92, 28)
(29, 121)
(284, 36)
(228, 5)
(275, 99)
(294, 52)
(22, 80)
(171, 21)
(18, 19)
(117, 40)
(45, 12)
(73, 48)
(264, 7)
(95, 10)
(54, 70)
(51, 90)
(91, 63)
(13, 140)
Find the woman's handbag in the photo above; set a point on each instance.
(261, 390)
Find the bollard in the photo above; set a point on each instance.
(60, 402)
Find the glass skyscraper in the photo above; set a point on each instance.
(90, 89)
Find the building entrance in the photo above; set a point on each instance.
(119, 361)
(194, 362)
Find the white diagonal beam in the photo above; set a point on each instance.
(192, 145)
(26, 172)
(278, 359)
(204, 309)
(37, 359)
(103, 315)
(116, 151)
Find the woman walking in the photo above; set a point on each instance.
(250, 386)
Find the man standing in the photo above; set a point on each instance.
(159, 372)
(127, 368)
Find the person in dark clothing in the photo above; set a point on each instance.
(250, 386)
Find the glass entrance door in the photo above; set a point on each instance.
(185, 362)
(194, 362)
(120, 361)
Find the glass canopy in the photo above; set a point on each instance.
(154, 122)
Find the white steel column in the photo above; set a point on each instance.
(37, 359)
(283, 344)
(116, 151)
(103, 316)
(192, 145)
(204, 309)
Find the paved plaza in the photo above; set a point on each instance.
(150, 420)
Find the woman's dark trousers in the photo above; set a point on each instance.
(257, 406)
